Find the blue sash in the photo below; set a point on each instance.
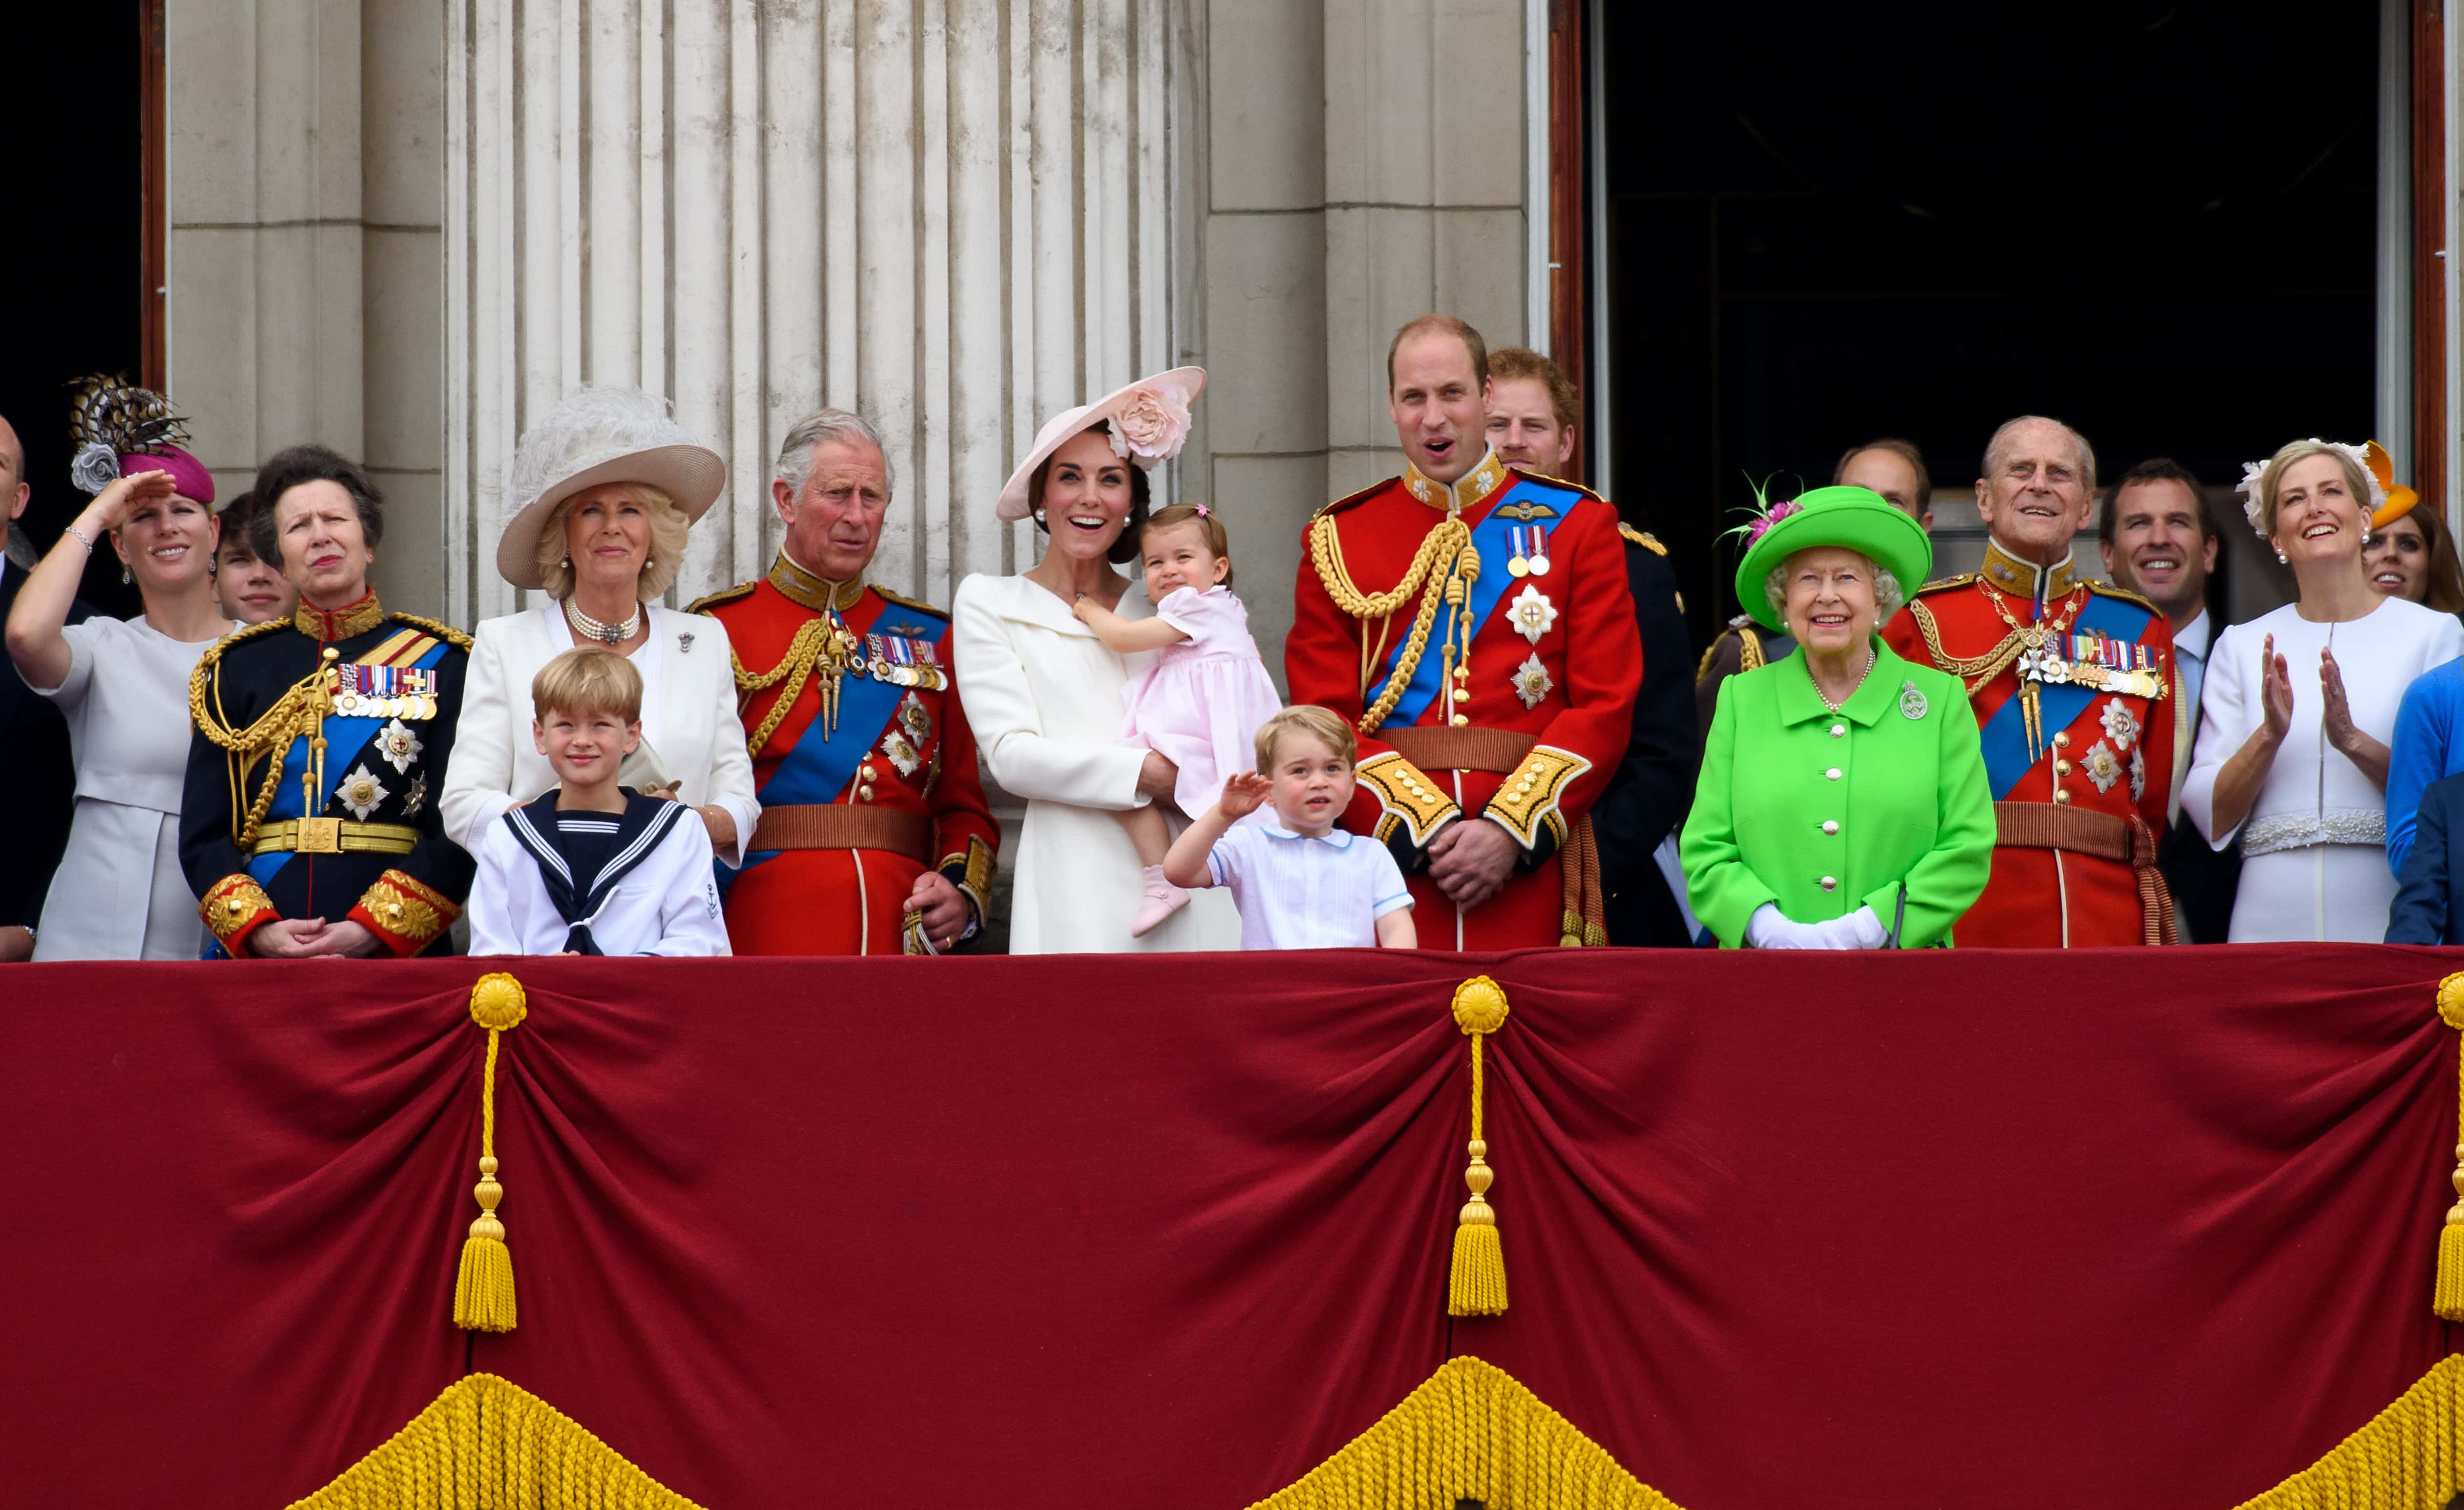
(818, 769)
(1489, 537)
(2058, 706)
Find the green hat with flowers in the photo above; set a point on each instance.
(1852, 519)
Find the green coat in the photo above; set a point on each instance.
(1900, 773)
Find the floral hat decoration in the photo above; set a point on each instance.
(1149, 419)
(2253, 472)
(1851, 517)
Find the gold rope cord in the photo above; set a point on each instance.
(812, 637)
(1977, 669)
(2410, 1456)
(1476, 1273)
(483, 1286)
(1445, 564)
(488, 1444)
(2446, 1296)
(300, 710)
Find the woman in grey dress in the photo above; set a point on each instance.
(119, 893)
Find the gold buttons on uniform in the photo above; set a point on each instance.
(1462, 718)
(1830, 884)
(868, 774)
(2061, 767)
(1830, 826)
(1832, 774)
(864, 793)
(2061, 796)
(2061, 741)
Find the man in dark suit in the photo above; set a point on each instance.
(2427, 907)
(1532, 412)
(34, 766)
(2159, 541)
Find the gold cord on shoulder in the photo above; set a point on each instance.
(820, 643)
(1446, 565)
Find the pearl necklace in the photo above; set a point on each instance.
(588, 627)
(1870, 660)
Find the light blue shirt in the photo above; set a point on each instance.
(2425, 747)
(2191, 649)
(1297, 893)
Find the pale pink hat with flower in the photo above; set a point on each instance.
(1150, 421)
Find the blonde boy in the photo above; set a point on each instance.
(593, 866)
(1301, 882)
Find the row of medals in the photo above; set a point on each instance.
(351, 702)
(2054, 670)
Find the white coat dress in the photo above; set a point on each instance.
(688, 717)
(2314, 844)
(1044, 697)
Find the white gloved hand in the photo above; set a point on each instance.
(1768, 930)
(1860, 929)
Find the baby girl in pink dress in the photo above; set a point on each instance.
(1200, 701)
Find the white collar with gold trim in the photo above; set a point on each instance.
(1463, 492)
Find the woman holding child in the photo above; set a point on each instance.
(1844, 802)
(1045, 692)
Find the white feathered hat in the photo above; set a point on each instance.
(600, 434)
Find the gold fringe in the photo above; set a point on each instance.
(1476, 1277)
(487, 1444)
(483, 1286)
(2447, 1295)
(1471, 1433)
(2411, 1456)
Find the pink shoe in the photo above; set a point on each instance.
(1162, 898)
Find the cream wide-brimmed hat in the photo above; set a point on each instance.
(600, 434)
(1150, 421)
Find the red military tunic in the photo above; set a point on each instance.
(1480, 690)
(2072, 683)
(865, 777)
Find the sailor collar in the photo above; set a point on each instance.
(1336, 838)
(356, 618)
(810, 589)
(1463, 492)
(2024, 578)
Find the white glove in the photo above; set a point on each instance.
(1860, 929)
(1768, 930)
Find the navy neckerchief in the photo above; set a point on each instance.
(640, 828)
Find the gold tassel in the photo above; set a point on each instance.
(483, 1288)
(1476, 1279)
(2447, 1297)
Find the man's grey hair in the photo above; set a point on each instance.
(1994, 449)
(1888, 594)
(820, 428)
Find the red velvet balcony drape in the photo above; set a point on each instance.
(2128, 1228)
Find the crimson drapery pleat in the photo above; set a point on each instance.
(2124, 1228)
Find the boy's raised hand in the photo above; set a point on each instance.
(1242, 793)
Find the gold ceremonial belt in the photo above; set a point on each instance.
(334, 836)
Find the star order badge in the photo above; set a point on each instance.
(398, 745)
(361, 792)
(2120, 724)
(901, 754)
(2103, 766)
(1532, 681)
(1531, 613)
(1912, 702)
(915, 719)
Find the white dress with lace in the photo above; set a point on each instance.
(2314, 846)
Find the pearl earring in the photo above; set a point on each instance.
(2279, 559)
(1038, 514)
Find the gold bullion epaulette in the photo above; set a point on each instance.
(2125, 594)
(215, 651)
(906, 602)
(703, 605)
(1945, 584)
(1642, 538)
(441, 631)
(1556, 482)
(1350, 498)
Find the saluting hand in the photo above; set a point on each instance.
(112, 507)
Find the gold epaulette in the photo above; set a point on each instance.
(906, 602)
(204, 671)
(1556, 482)
(1350, 499)
(1945, 584)
(1642, 538)
(441, 631)
(2123, 593)
(1750, 648)
(704, 604)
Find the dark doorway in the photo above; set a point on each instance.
(1827, 224)
(72, 263)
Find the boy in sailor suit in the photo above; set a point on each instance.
(592, 867)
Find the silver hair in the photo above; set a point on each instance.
(819, 428)
(1888, 594)
(2087, 451)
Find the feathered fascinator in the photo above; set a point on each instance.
(1764, 514)
(2254, 474)
(119, 427)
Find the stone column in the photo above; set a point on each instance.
(952, 217)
